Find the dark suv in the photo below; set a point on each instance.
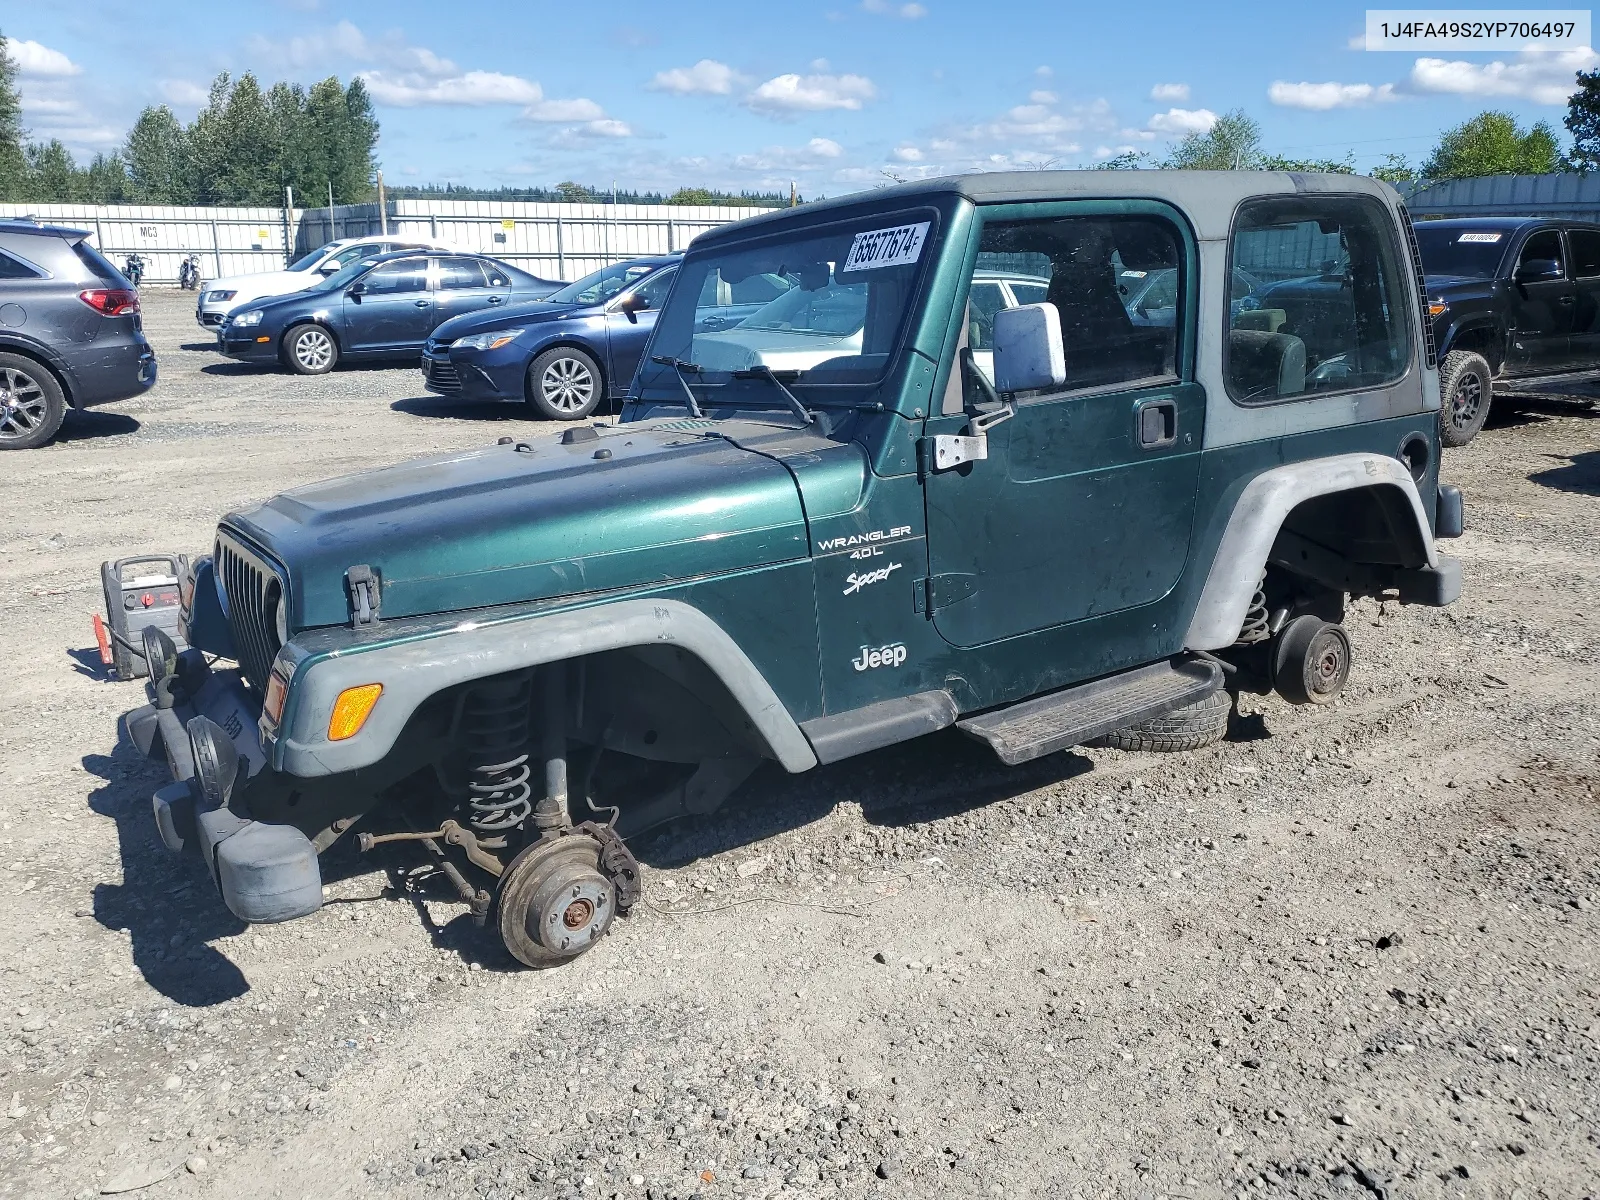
(69, 332)
(1510, 298)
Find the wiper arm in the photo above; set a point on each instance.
(679, 366)
(762, 371)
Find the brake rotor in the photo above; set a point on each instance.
(554, 900)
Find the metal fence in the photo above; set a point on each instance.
(1576, 197)
(561, 241)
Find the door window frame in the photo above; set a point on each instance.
(1408, 323)
(1185, 322)
(614, 305)
(1567, 275)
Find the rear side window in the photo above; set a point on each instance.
(1585, 245)
(1329, 312)
(11, 268)
(97, 264)
(457, 273)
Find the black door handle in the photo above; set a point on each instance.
(422, 303)
(497, 299)
(1156, 423)
(1566, 300)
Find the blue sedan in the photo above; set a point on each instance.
(563, 355)
(380, 308)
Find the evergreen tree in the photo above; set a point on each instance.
(155, 154)
(52, 178)
(13, 167)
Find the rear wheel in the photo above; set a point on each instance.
(310, 350)
(1465, 389)
(32, 405)
(1310, 661)
(564, 384)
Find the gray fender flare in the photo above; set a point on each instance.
(413, 670)
(1258, 516)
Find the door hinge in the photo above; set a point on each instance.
(365, 594)
(941, 591)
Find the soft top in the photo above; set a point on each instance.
(1207, 197)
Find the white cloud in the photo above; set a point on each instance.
(471, 88)
(708, 77)
(907, 154)
(564, 110)
(606, 127)
(41, 62)
(1320, 97)
(183, 93)
(1184, 121)
(1543, 76)
(815, 153)
(812, 93)
(1170, 93)
(884, 8)
(1042, 97)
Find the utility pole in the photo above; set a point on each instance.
(288, 223)
(794, 195)
(383, 208)
(333, 234)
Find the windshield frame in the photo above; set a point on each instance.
(716, 387)
(578, 285)
(309, 262)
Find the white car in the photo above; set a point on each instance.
(218, 296)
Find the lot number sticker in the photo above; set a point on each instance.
(886, 247)
(1479, 237)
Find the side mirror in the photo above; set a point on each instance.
(1028, 353)
(632, 305)
(356, 290)
(1539, 270)
(329, 268)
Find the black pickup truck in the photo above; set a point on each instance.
(1512, 299)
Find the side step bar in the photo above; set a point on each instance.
(1079, 714)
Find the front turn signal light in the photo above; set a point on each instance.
(351, 710)
(1435, 309)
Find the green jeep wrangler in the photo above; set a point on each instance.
(922, 457)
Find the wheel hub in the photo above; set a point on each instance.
(571, 910)
(558, 898)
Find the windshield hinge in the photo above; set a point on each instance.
(365, 597)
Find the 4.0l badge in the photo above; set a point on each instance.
(891, 655)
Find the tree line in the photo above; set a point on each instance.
(242, 148)
(568, 192)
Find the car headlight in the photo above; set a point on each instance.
(281, 618)
(244, 319)
(487, 341)
(219, 297)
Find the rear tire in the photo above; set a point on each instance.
(1466, 387)
(310, 350)
(32, 405)
(1191, 727)
(564, 384)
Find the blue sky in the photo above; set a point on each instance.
(837, 95)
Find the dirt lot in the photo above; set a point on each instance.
(1351, 951)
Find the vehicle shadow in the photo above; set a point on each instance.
(211, 346)
(86, 661)
(165, 901)
(461, 410)
(927, 779)
(1581, 474)
(1513, 410)
(87, 424)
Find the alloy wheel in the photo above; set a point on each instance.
(567, 385)
(23, 406)
(1465, 402)
(313, 350)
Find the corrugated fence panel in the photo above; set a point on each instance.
(559, 241)
(1566, 195)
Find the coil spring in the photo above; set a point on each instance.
(494, 725)
(1257, 622)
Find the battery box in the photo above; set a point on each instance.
(139, 592)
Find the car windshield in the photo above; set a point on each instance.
(309, 261)
(1468, 253)
(600, 286)
(823, 305)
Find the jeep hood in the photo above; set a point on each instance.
(671, 500)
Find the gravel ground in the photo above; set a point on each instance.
(1351, 951)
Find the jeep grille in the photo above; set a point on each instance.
(253, 590)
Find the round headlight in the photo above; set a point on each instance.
(280, 613)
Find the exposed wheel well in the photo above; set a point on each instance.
(1479, 339)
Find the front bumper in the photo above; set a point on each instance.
(246, 345)
(266, 872)
(480, 377)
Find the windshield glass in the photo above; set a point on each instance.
(827, 305)
(1469, 253)
(603, 284)
(309, 261)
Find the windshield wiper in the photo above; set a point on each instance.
(762, 371)
(679, 366)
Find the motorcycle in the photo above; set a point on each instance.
(133, 268)
(189, 273)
